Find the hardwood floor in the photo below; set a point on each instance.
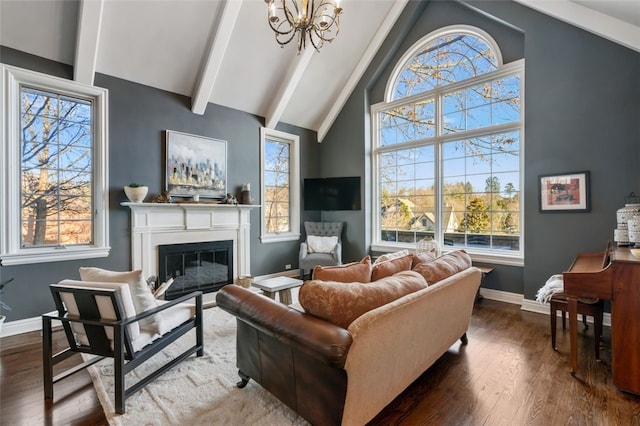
(507, 375)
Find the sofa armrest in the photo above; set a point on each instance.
(323, 341)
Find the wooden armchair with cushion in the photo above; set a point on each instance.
(100, 318)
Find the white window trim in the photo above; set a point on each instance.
(10, 251)
(294, 186)
(512, 258)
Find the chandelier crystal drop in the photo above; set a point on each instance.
(319, 21)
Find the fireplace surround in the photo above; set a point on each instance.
(158, 224)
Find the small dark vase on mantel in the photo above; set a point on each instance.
(245, 195)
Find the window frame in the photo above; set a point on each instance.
(11, 253)
(294, 186)
(514, 258)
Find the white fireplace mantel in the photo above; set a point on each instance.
(155, 224)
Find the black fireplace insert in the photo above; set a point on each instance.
(205, 266)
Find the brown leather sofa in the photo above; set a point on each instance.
(297, 357)
(331, 375)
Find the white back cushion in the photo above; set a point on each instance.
(316, 244)
(143, 299)
(105, 307)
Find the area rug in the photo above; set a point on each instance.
(198, 391)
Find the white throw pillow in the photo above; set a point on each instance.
(143, 299)
(390, 256)
(317, 244)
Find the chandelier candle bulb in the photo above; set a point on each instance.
(272, 12)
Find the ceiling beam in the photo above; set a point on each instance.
(87, 40)
(213, 61)
(605, 26)
(289, 83)
(361, 67)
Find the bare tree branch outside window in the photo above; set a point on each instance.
(277, 196)
(56, 152)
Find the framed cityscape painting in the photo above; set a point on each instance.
(196, 166)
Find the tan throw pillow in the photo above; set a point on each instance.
(390, 267)
(341, 303)
(356, 272)
(423, 257)
(444, 266)
(143, 299)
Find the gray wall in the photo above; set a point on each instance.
(582, 112)
(138, 115)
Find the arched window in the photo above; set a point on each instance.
(447, 144)
(445, 58)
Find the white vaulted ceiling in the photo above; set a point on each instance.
(224, 52)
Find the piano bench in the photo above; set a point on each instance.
(559, 302)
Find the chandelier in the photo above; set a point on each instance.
(319, 23)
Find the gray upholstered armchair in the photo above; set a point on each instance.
(324, 257)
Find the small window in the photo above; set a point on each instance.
(55, 201)
(280, 186)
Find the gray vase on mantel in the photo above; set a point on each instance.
(136, 194)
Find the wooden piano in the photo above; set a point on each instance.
(614, 275)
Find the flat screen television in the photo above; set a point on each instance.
(338, 193)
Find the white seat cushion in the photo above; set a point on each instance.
(172, 318)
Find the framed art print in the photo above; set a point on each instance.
(196, 165)
(564, 192)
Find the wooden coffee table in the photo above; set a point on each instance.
(280, 285)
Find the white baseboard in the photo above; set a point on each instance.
(501, 296)
(539, 308)
(28, 325)
(21, 326)
(529, 305)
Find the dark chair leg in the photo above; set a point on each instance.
(118, 369)
(47, 357)
(464, 339)
(597, 330)
(199, 330)
(584, 321)
(553, 316)
(244, 379)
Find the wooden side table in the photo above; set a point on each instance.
(485, 271)
(280, 285)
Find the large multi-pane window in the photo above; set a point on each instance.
(280, 186)
(447, 146)
(56, 193)
(54, 146)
